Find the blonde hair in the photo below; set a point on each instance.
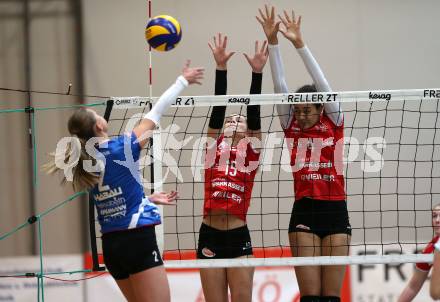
(81, 124)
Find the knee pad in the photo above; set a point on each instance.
(329, 299)
(310, 299)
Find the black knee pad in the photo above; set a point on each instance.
(310, 299)
(329, 299)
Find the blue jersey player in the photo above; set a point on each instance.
(127, 217)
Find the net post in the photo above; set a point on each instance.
(93, 245)
(91, 209)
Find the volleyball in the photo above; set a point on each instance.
(163, 33)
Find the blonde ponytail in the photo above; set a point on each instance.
(69, 160)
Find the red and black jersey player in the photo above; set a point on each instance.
(232, 159)
(319, 224)
(422, 269)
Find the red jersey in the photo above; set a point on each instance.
(317, 159)
(230, 178)
(429, 249)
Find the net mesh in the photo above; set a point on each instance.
(392, 168)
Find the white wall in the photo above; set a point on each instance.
(360, 44)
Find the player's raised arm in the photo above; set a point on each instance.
(257, 63)
(291, 30)
(271, 27)
(221, 57)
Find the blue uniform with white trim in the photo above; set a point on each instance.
(119, 197)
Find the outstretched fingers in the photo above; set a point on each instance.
(283, 20)
(193, 74)
(288, 17)
(272, 13)
(173, 195)
(264, 49)
(198, 76)
(225, 41)
(247, 58)
(266, 8)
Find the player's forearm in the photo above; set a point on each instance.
(277, 70)
(166, 99)
(218, 112)
(414, 286)
(333, 110)
(407, 295)
(253, 111)
(314, 69)
(279, 82)
(435, 277)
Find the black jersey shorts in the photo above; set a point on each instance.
(130, 251)
(218, 244)
(320, 217)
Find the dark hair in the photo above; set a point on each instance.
(82, 125)
(309, 89)
(306, 89)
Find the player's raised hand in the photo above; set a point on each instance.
(259, 59)
(218, 48)
(192, 74)
(291, 29)
(269, 24)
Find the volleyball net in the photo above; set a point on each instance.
(391, 168)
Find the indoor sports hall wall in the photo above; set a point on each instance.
(361, 45)
(52, 53)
